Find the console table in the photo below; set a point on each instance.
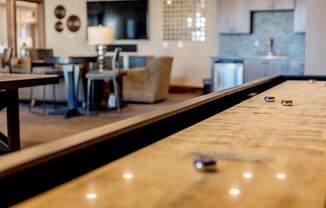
(9, 85)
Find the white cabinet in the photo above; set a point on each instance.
(233, 16)
(283, 4)
(256, 68)
(253, 70)
(296, 67)
(265, 5)
(300, 16)
(259, 5)
(275, 67)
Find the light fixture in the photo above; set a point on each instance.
(180, 44)
(165, 44)
(100, 36)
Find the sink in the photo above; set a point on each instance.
(269, 57)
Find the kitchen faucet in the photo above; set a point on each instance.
(270, 43)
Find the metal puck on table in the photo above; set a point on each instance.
(269, 99)
(312, 81)
(205, 163)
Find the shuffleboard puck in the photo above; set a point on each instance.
(287, 102)
(205, 163)
(312, 81)
(269, 99)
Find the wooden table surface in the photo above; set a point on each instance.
(15, 81)
(268, 156)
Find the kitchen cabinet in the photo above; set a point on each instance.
(275, 67)
(300, 16)
(259, 5)
(296, 67)
(253, 69)
(233, 16)
(264, 5)
(283, 4)
(256, 68)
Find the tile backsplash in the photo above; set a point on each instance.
(278, 25)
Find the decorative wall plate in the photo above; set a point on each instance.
(59, 26)
(73, 23)
(60, 12)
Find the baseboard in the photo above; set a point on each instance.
(185, 89)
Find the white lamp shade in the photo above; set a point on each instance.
(100, 35)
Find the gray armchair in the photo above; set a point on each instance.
(148, 84)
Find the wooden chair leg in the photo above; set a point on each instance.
(117, 95)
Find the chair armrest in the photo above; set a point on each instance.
(135, 69)
(22, 62)
(138, 73)
(137, 77)
(1, 62)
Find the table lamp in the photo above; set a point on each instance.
(100, 36)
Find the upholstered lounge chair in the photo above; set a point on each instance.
(148, 84)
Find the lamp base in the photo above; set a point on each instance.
(101, 50)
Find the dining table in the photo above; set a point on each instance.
(71, 66)
(9, 85)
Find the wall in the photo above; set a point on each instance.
(316, 38)
(191, 63)
(278, 25)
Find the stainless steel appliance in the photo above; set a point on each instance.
(226, 73)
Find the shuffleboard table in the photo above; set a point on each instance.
(9, 85)
(267, 155)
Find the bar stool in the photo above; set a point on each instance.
(111, 75)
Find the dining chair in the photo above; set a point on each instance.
(6, 59)
(107, 75)
(37, 59)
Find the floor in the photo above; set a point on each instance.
(37, 129)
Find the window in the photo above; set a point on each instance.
(27, 25)
(3, 31)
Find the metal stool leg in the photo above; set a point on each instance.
(116, 92)
(44, 99)
(31, 99)
(89, 90)
(54, 97)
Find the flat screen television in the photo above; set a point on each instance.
(127, 17)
